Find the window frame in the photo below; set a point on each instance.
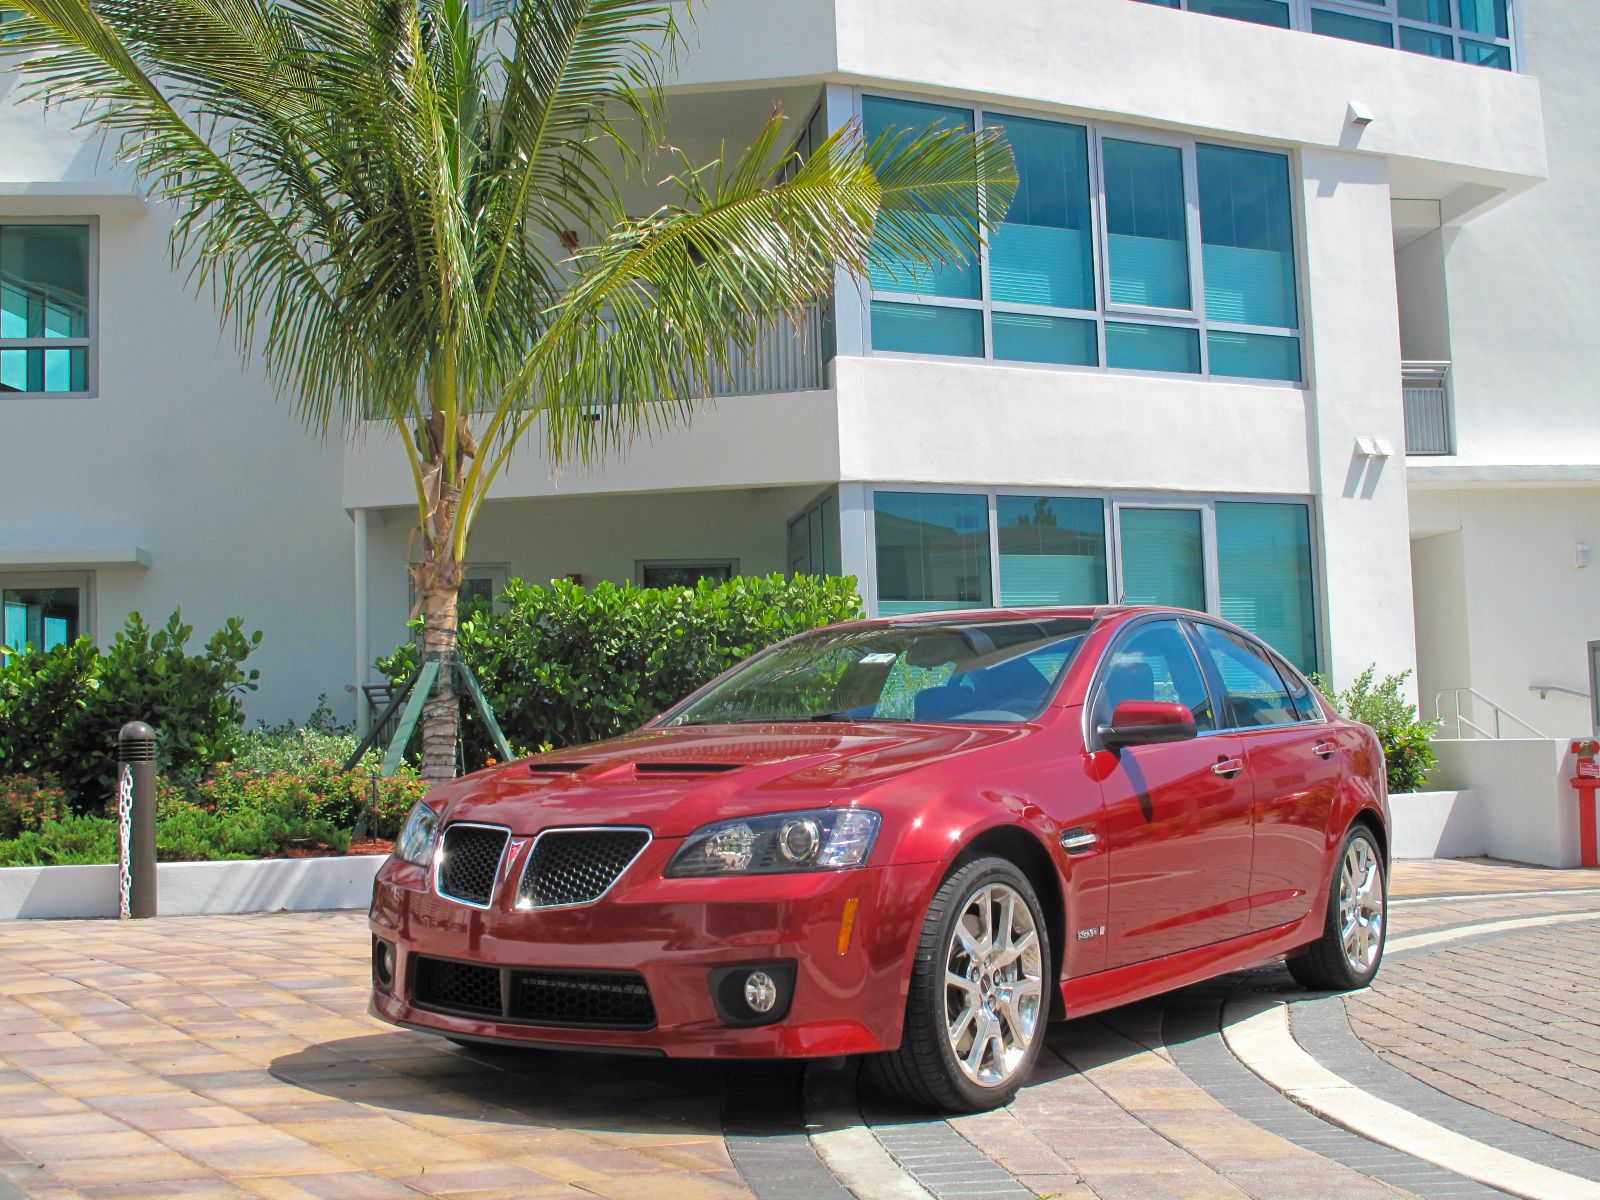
(1096, 689)
(1110, 499)
(1106, 312)
(643, 565)
(90, 343)
(82, 581)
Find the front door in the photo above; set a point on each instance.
(1177, 816)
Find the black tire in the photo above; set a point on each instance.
(924, 1071)
(1324, 966)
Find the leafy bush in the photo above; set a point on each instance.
(27, 803)
(1407, 740)
(322, 793)
(60, 709)
(70, 841)
(562, 664)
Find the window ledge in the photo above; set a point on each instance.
(73, 558)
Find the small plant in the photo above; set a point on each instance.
(1406, 738)
(27, 803)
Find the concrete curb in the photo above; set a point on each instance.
(193, 889)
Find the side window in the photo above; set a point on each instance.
(1305, 704)
(1256, 693)
(1154, 662)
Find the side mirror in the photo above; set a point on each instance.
(1147, 723)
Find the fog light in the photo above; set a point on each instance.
(382, 964)
(760, 993)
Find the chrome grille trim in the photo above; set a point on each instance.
(440, 853)
(523, 882)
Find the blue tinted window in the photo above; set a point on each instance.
(1435, 12)
(1264, 573)
(1426, 41)
(1052, 551)
(1487, 17)
(1247, 234)
(1483, 55)
(1352, 29)
(1044, 251)
(1163, 557)
(927, 329)
(1152, 348)
(891, 272)
(932, 551)
(1258, 12)
(1147, 223)
(1254, 355)
(1025, 337)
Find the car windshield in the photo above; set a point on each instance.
(956, 672)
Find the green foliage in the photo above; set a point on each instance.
(70, 841)
(26, 803)
(60, 709)
(563, 664)
(1382, 705)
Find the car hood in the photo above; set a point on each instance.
(675, 780)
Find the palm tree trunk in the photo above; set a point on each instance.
(438, 579)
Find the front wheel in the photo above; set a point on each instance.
(1350, 950)
(975, 1018)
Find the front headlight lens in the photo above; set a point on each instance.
(828, 839)
(415, 843)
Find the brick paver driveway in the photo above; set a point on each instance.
(231, 1056)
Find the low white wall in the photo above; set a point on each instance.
(1437, 825)
(194, 889)
(1528, 808)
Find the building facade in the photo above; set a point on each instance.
(1262, 248)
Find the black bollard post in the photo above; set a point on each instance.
(136, 816)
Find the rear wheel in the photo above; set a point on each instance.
(1350, 950)
(975, 1018)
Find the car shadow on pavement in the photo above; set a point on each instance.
(513, 1087)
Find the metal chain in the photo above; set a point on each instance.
(125, 840)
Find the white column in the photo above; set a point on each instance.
(363, 654)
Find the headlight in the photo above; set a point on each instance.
(415, 843)
(826, 839)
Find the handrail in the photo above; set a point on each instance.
(1461, 722)
(1544, 690)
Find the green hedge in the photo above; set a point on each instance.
(562, 664)
(60, 709)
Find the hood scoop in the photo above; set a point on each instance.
(557, 768)
(681, 769)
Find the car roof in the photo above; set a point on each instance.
(1089, 612)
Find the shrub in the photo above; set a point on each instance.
(60, 709)
(67, 842)
(562, 664)
(1407, 740)
(27, 803)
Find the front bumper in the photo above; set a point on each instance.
(849, 992)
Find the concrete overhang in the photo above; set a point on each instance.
(73, 558)
(1422, 474)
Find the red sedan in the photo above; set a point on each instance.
(914, 838)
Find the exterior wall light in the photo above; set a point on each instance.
(1360, 114)
(1374, 448)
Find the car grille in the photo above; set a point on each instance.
(577, 866)
(458, 987)
(469, 860)
(609, 1000)
(562, 999)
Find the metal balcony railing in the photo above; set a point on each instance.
(1426, 386)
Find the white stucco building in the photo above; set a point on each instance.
(1175, 374)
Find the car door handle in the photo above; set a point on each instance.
(1077, 840)
(1324, 749)
(1228, 767)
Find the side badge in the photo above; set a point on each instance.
(1092, 932)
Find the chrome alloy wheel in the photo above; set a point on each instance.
(1361, 905)
(994, 984)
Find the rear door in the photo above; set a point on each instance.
(1176, 816)
(1293, 764)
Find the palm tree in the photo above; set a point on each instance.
(378, 195)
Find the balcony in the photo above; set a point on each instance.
(1479, 32)
(1425, 386)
